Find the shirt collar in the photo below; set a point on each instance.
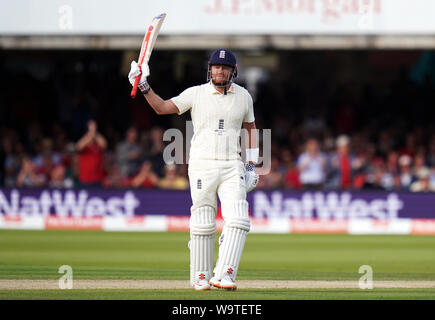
(213, 90)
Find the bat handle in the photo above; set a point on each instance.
(134, 90)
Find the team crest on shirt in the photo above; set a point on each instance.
(220, 130)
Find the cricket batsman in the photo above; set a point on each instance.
(219, 109)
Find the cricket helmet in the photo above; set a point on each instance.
(223, 57)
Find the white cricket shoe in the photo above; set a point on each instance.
(228, 283)
(202, 285)
(215, 282)
(225, 283)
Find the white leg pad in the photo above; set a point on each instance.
(237, 226)
(202, 233)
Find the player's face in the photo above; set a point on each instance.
(221, 73)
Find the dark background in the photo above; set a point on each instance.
(379, 97)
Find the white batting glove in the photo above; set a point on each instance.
(251, 177)
(143, 71)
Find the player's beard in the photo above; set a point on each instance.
(221, 81)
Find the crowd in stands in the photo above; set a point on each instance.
(319, 142)
(344, 162)
(57, 163)
(342, 167)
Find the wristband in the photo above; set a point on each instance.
(144, 87)
(249, 167)
(146, 91)
(252, 154)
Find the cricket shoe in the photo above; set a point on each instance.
(225, 283)
(215, 282)
(202, 285)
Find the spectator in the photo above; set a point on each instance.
(128, 154)
(44, 168)
(377, 183)
(58, 178)
(291, 179)
(423, 182)
(69, 162)
(419, 163)
(340, 165)
(432, 178)
(46, 160)
(392, 163)
(27, 177)
(361, 168)
(406, 176)
(146, 178)
(90, 148)
(46, 156)
(391, 172)
(114, 177)
(311, 165)
(172, 180)
(12, 161)
(289, 170)
(388, 179)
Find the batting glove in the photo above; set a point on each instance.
(251, 177)
(143, 71)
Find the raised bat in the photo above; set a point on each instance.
(148, 45)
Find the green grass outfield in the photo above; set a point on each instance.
(119, 255)
(247, 294)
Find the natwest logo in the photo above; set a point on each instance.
(75, 203)
(326, 205)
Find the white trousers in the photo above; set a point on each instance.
(209, 180)
(212, 178)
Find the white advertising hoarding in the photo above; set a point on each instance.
(224, 17)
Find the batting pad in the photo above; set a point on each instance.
(237, 226)
(202, 233)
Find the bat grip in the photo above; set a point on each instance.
(134, 90)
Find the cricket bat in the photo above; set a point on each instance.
(147, 46)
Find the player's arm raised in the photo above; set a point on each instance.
(159, 105)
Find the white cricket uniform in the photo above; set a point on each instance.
(215, 164)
